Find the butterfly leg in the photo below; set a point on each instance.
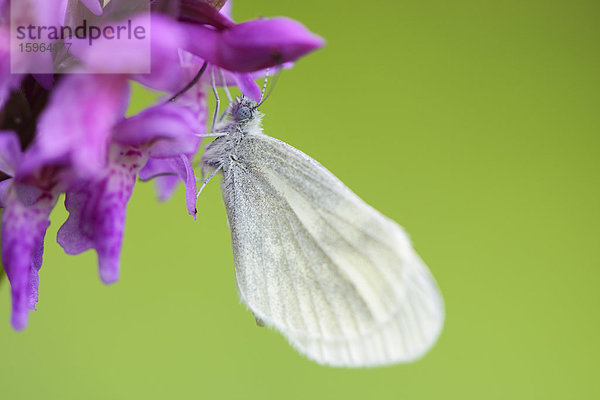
(216, 134)
(208, 180)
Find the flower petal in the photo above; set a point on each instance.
(152, 61)
(97, 212)
(247, 85)
(75, 128)
(243, 80)
(184, 169)
(156, 167)
(8, 81)
(167, 172)
(10, 152)
(165, 69)
(195, 97)
(35, 13)
(167, 130)
(47, 12)
(165, 185)
(4, 190)
(23, 231)
(165, 177)
(113, 53)
(252, 45)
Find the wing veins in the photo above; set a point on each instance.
(305, 257)
(342, 187)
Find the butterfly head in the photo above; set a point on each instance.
(243, 109)
(244, 112)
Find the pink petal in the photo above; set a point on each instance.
(184, 169)
(10, 152)
(164, 175)
(247, 85)
(75, 128)
(4, 190)
(167, 172)
(252, 45)
(195, 97)
(47, 12)
(8, 81)
(166, 130)
(118, 53)
(38, 13)
(97, 212)
(165, 69)
(153, 61)
(23, 231)
(244, 81)
(165, 186)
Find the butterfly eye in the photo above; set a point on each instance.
(243, 113)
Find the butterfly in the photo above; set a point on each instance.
(338, 279)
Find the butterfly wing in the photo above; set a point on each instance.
(337, 278)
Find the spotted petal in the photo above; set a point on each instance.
(97, 211)
(23, 229)
(75, 128)
(166, 130)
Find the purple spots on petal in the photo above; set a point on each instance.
(97, 211)
(23, 231)
(75, 128)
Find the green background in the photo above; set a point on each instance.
(474, 124)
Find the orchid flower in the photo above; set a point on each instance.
(68, 134)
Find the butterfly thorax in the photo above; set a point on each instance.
(243, 118)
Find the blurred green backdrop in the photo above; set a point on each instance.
(472, 123)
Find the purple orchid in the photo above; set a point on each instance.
(24, 224)
(97, 194)
(76, 140)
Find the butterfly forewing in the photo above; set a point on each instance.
(337, 278)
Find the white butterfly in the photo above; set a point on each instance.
(338, 279)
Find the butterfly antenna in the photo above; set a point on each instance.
(262, 92)
(275, 77)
